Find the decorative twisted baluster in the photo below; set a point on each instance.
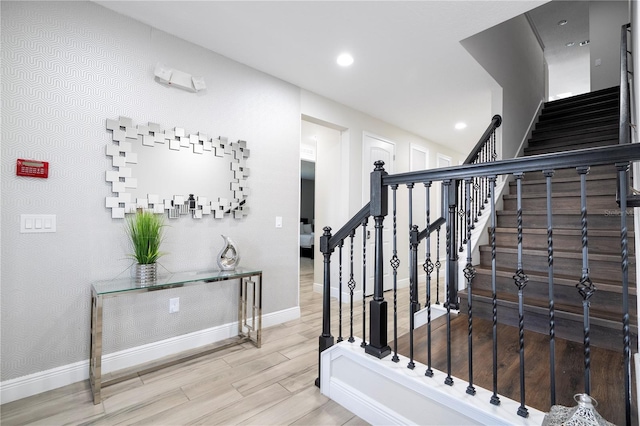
(495, 400)
(552, 322)
(428, 268)
(461, 227)
(364, 282)
(395, 263)
(352, 285)
(520, 279)
(340, 290)
(585, 286)
(438, 265)
(469, 274)
(623, 170)
(450, 241)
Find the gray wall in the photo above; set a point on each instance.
(510, 53)
(605, 20)
(66, 68)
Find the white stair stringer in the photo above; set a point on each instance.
(383, 392)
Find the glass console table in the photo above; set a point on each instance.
(249, 313)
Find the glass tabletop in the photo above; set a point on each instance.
(121, 285)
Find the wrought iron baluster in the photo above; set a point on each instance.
(462, 225)
(495, 399)
(428, 268)
(477, 198)
(364, 282)
(585, 286)
(412, 276)
(552, 313)
(469, 273)
(352, 285)
(340, 290)
(395, 263)
(438, 265)
(414, 306)
(520, 279)
(450, 246)
(623, 170)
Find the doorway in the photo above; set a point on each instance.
(321, 145)
(375, 149)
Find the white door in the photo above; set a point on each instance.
(375, 149)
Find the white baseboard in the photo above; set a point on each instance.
(32, 384)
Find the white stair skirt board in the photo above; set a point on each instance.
(32, 384)
(383, 392)
(420, 317)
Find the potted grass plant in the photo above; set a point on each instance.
(146, 232)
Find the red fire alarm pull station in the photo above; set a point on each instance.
(32, 168)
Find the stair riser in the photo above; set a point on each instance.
(577, 116)
(555, 113)
(595, 172)
(562, 294)
(610, 338)
(579, 126)
(572, 243)
(583, 100)
(571, 186)
(607, 220)
(576, 144)
(596, 204)
(585, 135)
(609, 269)
(575, 133)
(575, 141)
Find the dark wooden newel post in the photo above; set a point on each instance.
(326, 339)
(378, 306)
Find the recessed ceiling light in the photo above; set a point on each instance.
(460, 125)
(571, 43)
(562, 22)
(345, 59)
(584, 43)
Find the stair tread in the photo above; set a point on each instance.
(563, 231)
(590, 178)
(589, 96)
(603, 317)
(569, 111)
(559, 253)
(563, 194)
(560, 279)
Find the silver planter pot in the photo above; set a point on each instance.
(146, 274)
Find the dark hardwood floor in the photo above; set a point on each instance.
(606, 366)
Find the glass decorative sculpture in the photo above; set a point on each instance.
(584, 414)
(228, 258)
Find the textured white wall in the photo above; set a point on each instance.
(66, 68)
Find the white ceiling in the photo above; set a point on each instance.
(410, 69)
(569, 70)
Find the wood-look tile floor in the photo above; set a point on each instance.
(273, 385)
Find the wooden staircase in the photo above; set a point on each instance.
(583, 121)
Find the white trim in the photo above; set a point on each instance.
(32, 384)
(437, 401)
(529, 131)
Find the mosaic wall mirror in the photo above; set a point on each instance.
(184, 174)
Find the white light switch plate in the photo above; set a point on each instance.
(36, 223)
(278, 221)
